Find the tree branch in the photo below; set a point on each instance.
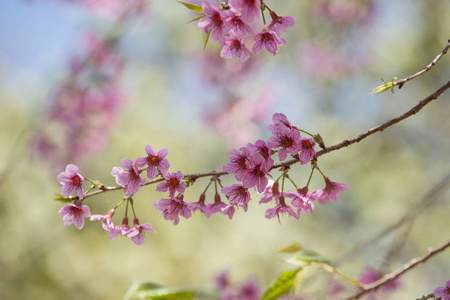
(392, 276)
(345, 143)
(401, 82)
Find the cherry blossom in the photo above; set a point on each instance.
(136, 232)
(129, 178)
(173, 184)
(172, 208)
(267, 39)
(72, 181)
(157, 162)
(75, 214)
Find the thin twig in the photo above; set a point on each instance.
(394, 275)
(426, 200)
(401, 82)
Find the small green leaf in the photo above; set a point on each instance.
(385, 86)
(206, 38)
(196, 8)
(308, 257)
(59, 197)
(291, 249)
(196, 19)
(282, 285)
(152, 291)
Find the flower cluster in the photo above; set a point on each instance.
(231, 25)
(250, 165)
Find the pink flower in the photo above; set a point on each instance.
(157, 162)
(256, 176)
(248, 8)
(238, 27)
(119, 230)
(214, 20)
(173, 183)
(173, 208)
(222, 280)
(239, 163)
(270, 192)
(262, 149)
(217, 206)
(228, 210)
(249, 290)
(200, 205)
(370, 275)
(129, 178)
(74, 214)
(268, 39)
(233, 46)
(443, 292)
(107, 223)
(288, 139)
(330, 192)
(280, 24)
(301, 201)
(279, 121)
(307, 152)
(280, 208)
(238, 195)
(71, 181)
(136, 232)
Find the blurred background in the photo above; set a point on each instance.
(92, 82)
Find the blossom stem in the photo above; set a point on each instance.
(119, 204)
(310, 176)
(263, 6)
(304, 131)
(204, 192)
(132, 207)
(331, 269)
(290, 179)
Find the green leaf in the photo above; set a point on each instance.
(196, 8)
(291, 249)
(309, 256)
(206, 38)
(152, 291)
(385, 86)
(298, 280)
(282, 285)
(196, 19)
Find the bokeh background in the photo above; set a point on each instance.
(171, 94)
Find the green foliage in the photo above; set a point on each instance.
(196, 8)
(385, 86)
(282, 285)
(206, 38)
(153, 291)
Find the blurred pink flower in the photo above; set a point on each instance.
(267, 39)
(443, 292)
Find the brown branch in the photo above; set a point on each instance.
(394, 275)
(401, 82)
(345, 143)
